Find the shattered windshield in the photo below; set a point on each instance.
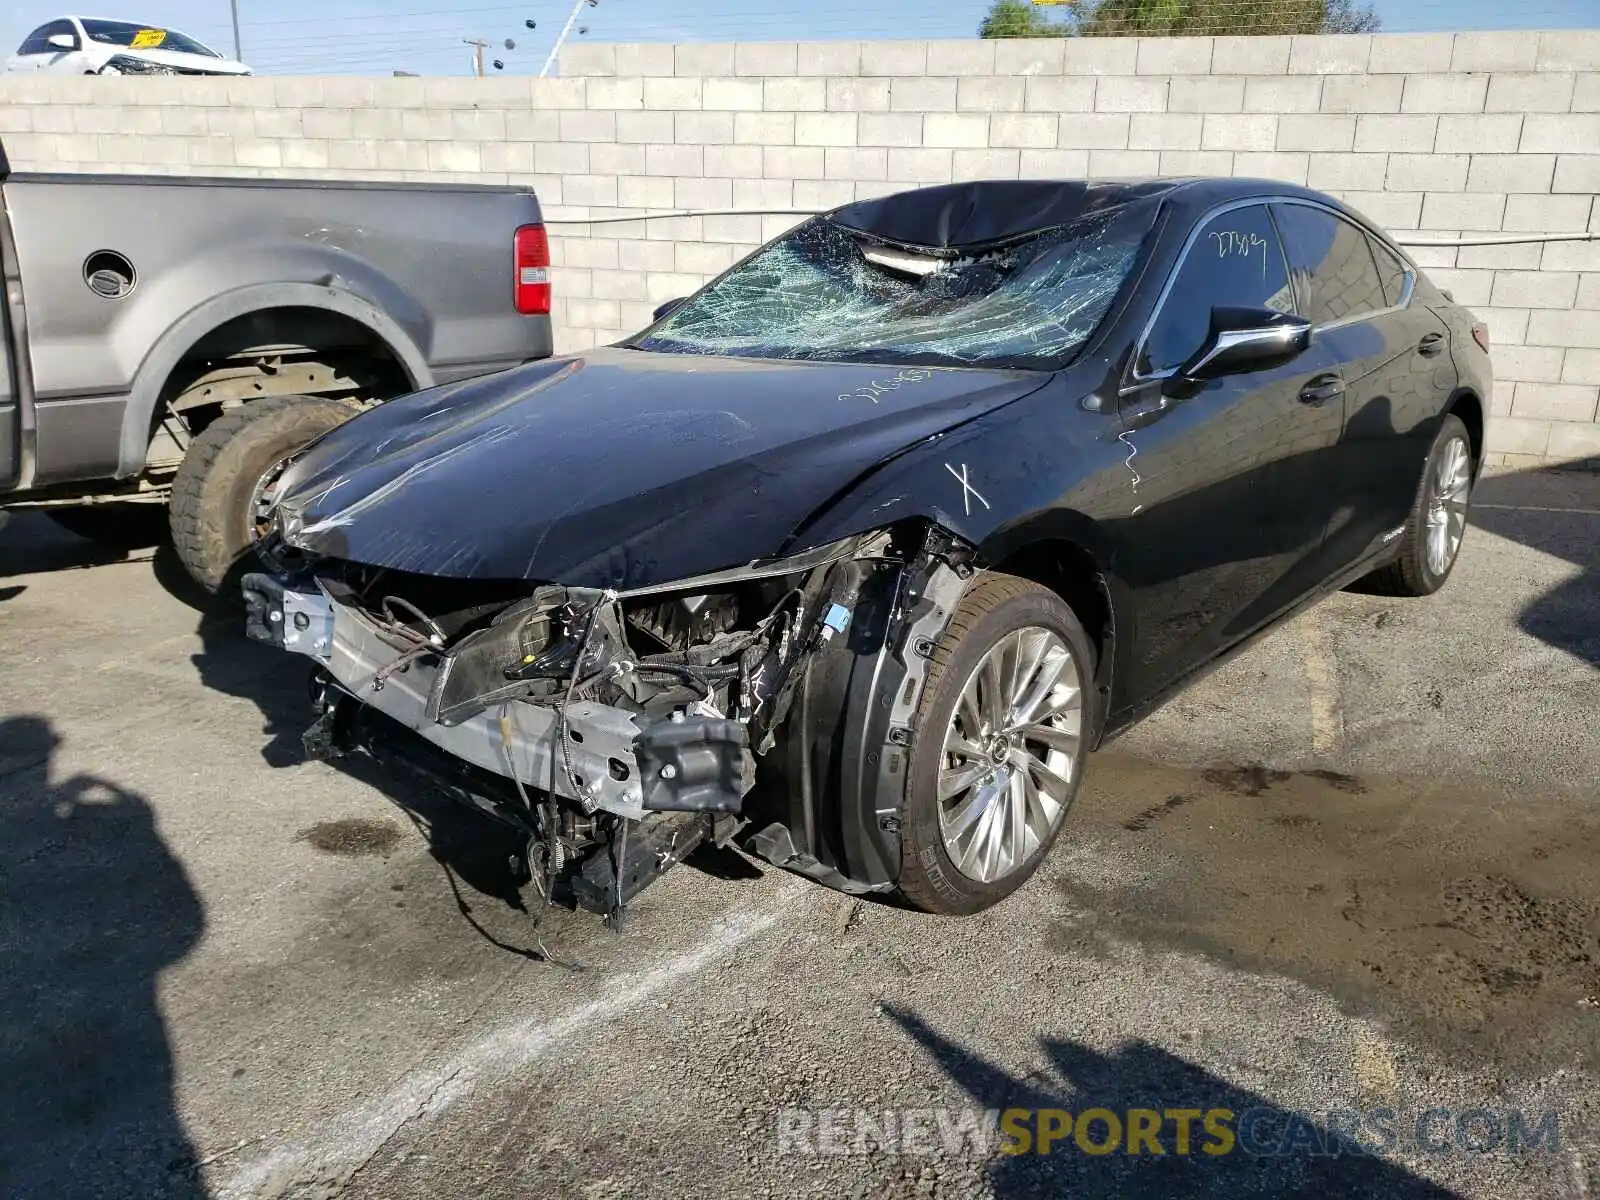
(827, 292)
(143, 37)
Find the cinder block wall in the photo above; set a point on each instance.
(1433, 135)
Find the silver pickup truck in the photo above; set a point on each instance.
(174, 338)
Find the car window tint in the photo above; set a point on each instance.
(1331, 261)
(37, 42)
(1234, 262)
(1391, 270)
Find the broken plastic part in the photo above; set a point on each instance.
(698, 764)
(644, 854)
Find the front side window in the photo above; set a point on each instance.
(38, 42)
(143, 37)
(1234, 262)
(1331, 261)
(827, 292)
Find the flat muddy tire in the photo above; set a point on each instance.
(213, 494)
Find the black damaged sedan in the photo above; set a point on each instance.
(853, 556)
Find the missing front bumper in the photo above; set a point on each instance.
(605, 759)
(296, 621)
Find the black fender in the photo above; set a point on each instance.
(1078, 537)
(1021, 476)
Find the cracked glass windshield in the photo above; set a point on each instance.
(825, 292)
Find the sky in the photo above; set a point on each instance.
(368, 37)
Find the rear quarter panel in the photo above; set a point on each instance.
(435, 260)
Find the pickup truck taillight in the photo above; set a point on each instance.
(532, 252)
(1480, 334)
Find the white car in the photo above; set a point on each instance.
(92, 46)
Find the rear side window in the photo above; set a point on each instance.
(1331, 261)
(1235, 261)
(1392, 271)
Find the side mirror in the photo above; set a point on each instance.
(1247, 339)
(666, 308)
(62, 41)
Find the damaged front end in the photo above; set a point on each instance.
(768, 706)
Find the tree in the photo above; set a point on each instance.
(1345, 16)
(1020, 19)
(1195, 18)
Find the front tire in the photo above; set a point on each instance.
(214, 522)
(1002, 731)
(1431, 543)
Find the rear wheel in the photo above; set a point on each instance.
(1002, 732)
(220, 490)
(125, 525)
(1434, 531)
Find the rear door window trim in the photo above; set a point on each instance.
(1407, 288)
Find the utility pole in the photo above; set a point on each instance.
(478, 47)
(238, 52)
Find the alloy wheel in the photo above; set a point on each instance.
(1010, 752)
(1447, 504)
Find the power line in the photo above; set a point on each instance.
(337, 39)
(387, 16)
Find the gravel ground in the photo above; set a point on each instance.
(1349, 873)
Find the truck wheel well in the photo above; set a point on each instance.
(1070, 572)
(271, 352)
(1469, 408)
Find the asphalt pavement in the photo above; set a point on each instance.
(1342, 890)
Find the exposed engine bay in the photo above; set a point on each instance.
(620, 731)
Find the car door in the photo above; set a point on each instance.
(1388, 355)
(1222, 524)
(57, 59)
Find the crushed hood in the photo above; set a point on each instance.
(617, 468)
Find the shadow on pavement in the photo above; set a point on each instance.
(32, 544)
(1290, 1151)
(1557, 513)
(480, 857)
(93, 907)
(476, 853)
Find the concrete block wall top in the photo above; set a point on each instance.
(1440, 137)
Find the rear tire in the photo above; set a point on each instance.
(212, 522)
(1427, 555)
(1032, 776)
(123, 525)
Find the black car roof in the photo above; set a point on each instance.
(986, 212)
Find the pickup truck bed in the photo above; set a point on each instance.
(141, 310)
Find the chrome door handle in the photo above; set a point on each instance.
(1319, 389)
(1431, 344)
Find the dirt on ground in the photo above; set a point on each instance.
(1455, 909)
(351, 837)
